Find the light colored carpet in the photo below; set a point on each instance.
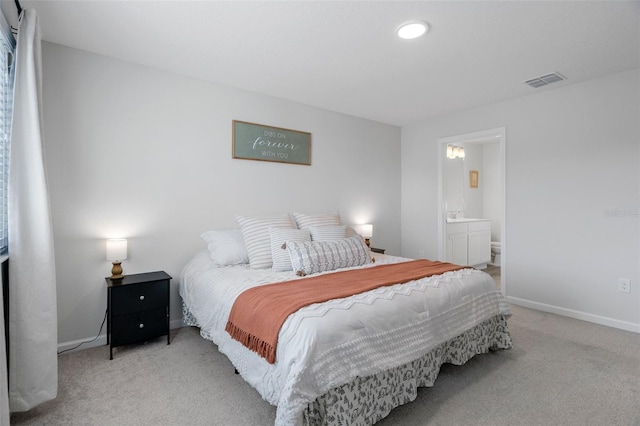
(560, 372)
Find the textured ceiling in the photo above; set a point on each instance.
(344, 56)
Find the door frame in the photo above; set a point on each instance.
(483, 136)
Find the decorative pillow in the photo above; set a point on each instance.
(312, 257)
(351, 232)
(328, 233)
(305, 221)
(255, 231)
(279, 238)
(226, 247)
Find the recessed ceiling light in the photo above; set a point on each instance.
(412, 29)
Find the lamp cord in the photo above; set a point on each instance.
(88, 341)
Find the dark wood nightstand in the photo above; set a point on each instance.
(138, 308)
(377, 250)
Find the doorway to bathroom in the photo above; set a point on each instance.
(472, 202)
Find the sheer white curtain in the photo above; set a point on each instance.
(6, 46)
(33, 363)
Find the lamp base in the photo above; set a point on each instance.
(116, 270)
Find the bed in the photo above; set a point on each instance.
(350, 360)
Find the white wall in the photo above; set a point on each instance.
(473, 197)
(145, 154)
(492, 202)
(573, 193)
(453, 170)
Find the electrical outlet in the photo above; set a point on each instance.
(421, 254)
(624, 285)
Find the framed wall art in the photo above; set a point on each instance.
(253, 141)
(473, 178)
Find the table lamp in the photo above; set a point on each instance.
(366, 230)
(116, 252)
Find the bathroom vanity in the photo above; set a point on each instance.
(468, 242)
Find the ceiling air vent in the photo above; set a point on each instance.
(545, 79)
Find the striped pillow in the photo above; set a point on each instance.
(255, 231)
(328, 233)
(279, 254)
(311, 257)
(305, 221)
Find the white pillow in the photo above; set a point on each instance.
(226, 247)
(351, 232)
(312, 257)
(255, 231)
(305, 221)
(279, 253)
(328, 233)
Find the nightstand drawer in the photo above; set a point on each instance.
(139, 326)
(140, 297)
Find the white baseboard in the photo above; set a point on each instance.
(84, 344)
(584, 316)
(102, 339)
(176, 323)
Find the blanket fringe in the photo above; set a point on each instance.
(252, 342)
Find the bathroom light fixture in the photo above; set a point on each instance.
(116, 252)
(454, 152)
(412, 29)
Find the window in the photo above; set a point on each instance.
(7, 48)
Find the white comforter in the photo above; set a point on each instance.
(328, 344)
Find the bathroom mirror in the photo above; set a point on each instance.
(454, 184)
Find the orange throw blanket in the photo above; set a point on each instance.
(259, 312)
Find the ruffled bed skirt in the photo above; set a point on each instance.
(366, 400)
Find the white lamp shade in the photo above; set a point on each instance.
(116, 249)
(366, 230)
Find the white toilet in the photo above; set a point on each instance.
(495, 252)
